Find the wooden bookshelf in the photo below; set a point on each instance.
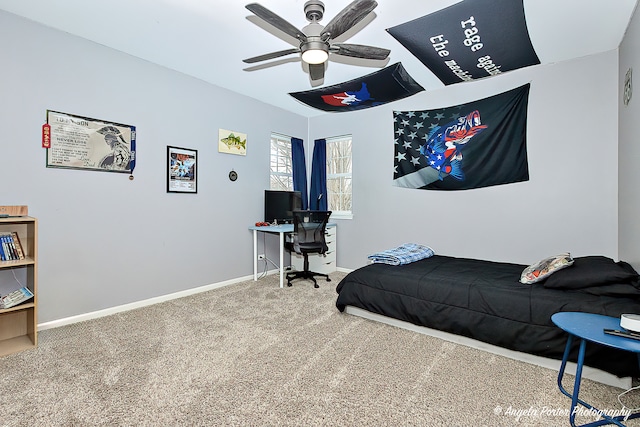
(18, 324)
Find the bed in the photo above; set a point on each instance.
(485, 301)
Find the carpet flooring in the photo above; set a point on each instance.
(253, 354)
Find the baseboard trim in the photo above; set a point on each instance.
(587, 372)
(138, 304)
(144, 303)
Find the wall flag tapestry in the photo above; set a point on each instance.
(473, 145)
(470, 40)
(389, 84)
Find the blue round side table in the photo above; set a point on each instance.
(589, 327)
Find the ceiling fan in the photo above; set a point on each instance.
(316, 42)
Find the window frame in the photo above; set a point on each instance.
(339, 214)
(277, 175)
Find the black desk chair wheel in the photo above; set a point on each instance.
(308, 238)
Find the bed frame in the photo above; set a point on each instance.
(482, 304)
(545, 362)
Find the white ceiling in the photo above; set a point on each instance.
(208, 39)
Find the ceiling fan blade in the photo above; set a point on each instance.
(316, 71)
(275, 20)
(348, 17)
(271, 64)
(360, 51)
(271, 55)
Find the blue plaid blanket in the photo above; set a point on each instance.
(403, 254)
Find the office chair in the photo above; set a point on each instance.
(308, 238)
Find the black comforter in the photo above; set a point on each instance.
(485, 301)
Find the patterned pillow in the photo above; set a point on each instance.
(544, 268)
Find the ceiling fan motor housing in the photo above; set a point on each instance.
(314, 10)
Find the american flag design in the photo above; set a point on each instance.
(478, 144)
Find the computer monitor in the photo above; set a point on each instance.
(279, 205)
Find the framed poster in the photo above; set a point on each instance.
(78, 142)
(182, 170)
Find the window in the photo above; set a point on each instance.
(338, 171)
(339, 176)
(281, 175)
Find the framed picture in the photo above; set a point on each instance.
(232, 142)
(77, 142)
(182, 170)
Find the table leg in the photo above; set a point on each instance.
(576, 384)
(281, 260)
(255, 255)
(563, 365)
(575, 400)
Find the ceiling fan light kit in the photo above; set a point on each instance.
(314, 52)
(317, 41)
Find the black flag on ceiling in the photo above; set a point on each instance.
(389, 84)
(470, 40)
(473, 145)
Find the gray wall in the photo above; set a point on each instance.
(629, 172)
(569, 203)
(106, 240)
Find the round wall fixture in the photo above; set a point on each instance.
(628, 87)
(233, 175)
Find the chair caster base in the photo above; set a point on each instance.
(306, 275)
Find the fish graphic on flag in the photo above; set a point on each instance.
(383, 86)
(473, 145)
(443, 149)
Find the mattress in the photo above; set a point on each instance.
(484, 300)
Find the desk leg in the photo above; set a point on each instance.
(255, 255)
(281, 260)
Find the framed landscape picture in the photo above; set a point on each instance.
(182, 170)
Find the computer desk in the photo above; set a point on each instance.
(281, 229)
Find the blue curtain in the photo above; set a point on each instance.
(318, 194)
(299, 169)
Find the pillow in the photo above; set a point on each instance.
(544, 268)
(625, 290)
(591, 271)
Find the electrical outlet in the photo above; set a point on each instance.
(261, 256)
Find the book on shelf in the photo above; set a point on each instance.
(18, 245)
(10, 247)
(16, 297)
(7, 255)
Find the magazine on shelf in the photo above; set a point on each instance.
(16, 297)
